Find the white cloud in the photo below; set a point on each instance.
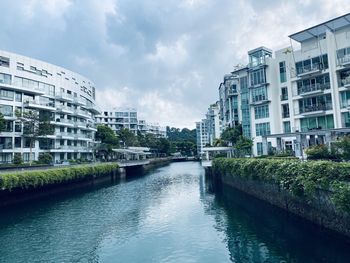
(171, 55)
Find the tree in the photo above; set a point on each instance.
(317, 152)
(341, 148)
(127, 137)
(109, 140)
(232, 135)
(243, 146)
(17, 159)
(36, 124)
(2, 122)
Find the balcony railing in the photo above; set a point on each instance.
(64, 96)
(345, 104)
(64, 108)
(6, 146)
(345, 81)
(308, 69)
(313, 88)
(344, 60)
(38, 104)
(314, 108)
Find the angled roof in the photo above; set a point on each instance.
(319, 30)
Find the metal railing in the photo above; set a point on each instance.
(344, 60)
(308, 68)
(313, 108)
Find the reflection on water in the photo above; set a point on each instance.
(170, 215)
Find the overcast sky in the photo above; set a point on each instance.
(164, 57)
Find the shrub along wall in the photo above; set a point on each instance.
(38, 178)
(300, 179)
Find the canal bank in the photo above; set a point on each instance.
(315, 191)
(20, 186)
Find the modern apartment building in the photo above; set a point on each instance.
(297, 98)
(65, 96)
(202, 136)
(118, 118)
(208, 129)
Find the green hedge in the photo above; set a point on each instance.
(37, 178)
(298, 177)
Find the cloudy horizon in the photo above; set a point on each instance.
(165, 58)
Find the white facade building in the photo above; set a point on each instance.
(208, 129)
(118, 118)
(202, 136)
(296, 98)
(65, 96)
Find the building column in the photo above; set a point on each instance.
(264, 145)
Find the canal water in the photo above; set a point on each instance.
(171, 214)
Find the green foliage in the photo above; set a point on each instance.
(301, 179)
(17, 159)
(232, 135)
(107, 136)
(35, 125)
(177, 135)
(45, 158)
(2, 122)
(341, 148)
(318, 152)
(38, 178)
(128, 137)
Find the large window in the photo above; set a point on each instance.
(285, 110)
(259, 147)
(261, 112)
(7, 94)
(315, 63)
(26, 83)
(286, 127)
(262, 129)
(257, 77)
(344, 55)
(4, 62)
(317, 123)
(319, 103)
(283, 74)
(259, 94)
(345, 99)
(6, 110)
(5, 78)
(313, 84)
(284, 93)
(346, 119)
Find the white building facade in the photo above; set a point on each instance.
(297, 98)
(118, 118)
(65, 96)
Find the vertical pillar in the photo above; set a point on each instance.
(264, 145)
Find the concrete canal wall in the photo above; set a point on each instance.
(319, 207)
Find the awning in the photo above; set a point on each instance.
(319, 30)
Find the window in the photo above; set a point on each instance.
(315, 63)
(259, 94)
(259, 147)
(346, 119)
(284, 93)
(7, 94)
(18, 127)
(286, 127)
(317, 123)
(26, 157)
(319, 103)
(283, 75)
(18, 97)
(18, 142)
(285, 110)
(5, 78)
(257, 77)
(261, 112)
(4, 62)
(262, 129)
(6, 110)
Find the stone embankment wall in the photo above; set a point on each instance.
(319, 206)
